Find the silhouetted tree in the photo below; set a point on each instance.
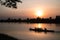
(10, 3)
(27, 18)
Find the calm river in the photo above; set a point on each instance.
(21, 31)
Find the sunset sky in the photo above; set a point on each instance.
(28, 9)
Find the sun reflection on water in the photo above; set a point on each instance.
(39, 26)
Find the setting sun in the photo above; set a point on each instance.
(39, 12)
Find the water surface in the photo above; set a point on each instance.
(21, 31)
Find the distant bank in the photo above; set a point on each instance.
(33, 20)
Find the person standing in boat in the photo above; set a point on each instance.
(45, 29)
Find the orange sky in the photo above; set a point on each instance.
(28, 7)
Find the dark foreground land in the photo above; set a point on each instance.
(6, 37)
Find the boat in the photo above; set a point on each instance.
(40, 30)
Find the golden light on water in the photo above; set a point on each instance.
(39, 26)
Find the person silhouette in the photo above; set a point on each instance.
(45, 29)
